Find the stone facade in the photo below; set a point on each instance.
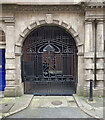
(84, 21)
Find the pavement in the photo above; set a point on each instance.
(20, 103)
(93, 108)
(29, 106)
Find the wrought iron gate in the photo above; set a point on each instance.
(49, 62)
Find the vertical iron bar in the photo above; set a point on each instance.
(91, 91)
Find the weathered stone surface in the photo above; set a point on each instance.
(100, 77)
(14, 91)
(89, 76)
(10, 66)
(10, 55)
(19, 21)
(10, 76)
(9, 82)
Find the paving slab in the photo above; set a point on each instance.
(5, 107)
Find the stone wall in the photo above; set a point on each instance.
(18, 21)
(94, 42)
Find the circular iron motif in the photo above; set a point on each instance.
(56, 102)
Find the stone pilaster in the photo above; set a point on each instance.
(89, 35)
(80, 85)
(88, 55)
(10, 57)
(100, 55)
(90, 42)
(11, 86)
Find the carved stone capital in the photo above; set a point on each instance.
(89, 20)
(101, 20)
(8, 20)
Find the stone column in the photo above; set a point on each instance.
(80, 74)
(10, 57)
(88, 55)
(100, 35)
(89, 35)
(100, 57)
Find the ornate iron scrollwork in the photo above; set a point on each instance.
(49, 56)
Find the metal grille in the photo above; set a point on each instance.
(49, 62)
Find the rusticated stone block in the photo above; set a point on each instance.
(88, 55)
(12, 82)
(10, 66)
(89, 76)
(100, 76)
(100, 54)
(9, 92)
(10, 55)
(100, 65)
(89, 66)
(14, 91)
(10, 76)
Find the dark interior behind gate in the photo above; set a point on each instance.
(49, 62)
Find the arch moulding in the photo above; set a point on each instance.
(33, 25)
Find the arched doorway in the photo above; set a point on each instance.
(49, 62)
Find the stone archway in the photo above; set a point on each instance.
(36, 24)
(39, 23)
